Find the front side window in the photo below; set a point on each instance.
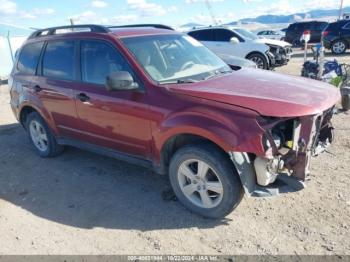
(245, 34)
(59, 60)
(174, 58)
(29, 57)
(98, 60)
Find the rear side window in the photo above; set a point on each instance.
(318, 26)
(59, 60)
(203, 35)
(223, 35)
(29, 57)
(98, 60)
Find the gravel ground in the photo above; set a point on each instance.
(82, 203)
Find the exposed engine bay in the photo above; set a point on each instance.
(289, 145)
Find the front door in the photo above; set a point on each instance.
(113, 119)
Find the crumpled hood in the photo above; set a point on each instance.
(273, 42)
(268, 93)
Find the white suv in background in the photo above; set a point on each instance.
(266, 53)
(271, 34)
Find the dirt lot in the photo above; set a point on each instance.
(82, 203)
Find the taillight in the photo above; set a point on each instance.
(325, 33)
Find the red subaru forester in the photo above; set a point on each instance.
(159, 98)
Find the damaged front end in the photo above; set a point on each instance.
(289, 144)
(282, 55)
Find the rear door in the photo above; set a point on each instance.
(206, 36)
(316, 29)
(55, 82)
(113, 119)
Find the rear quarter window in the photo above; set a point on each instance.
(29, 58)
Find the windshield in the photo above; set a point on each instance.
(175, 58)
(246, 34)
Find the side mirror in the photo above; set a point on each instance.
(234, 40)
(121, 80)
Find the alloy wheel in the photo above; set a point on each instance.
(200, 184)
(258, 61)
(339, 47)
(38, 135)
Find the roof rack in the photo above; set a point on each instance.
(160, 26)
(52, 30)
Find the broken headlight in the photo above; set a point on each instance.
(281, 134)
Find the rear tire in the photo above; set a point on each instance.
(41, 137)
(339, 47)
(205, 181)
(260, 60)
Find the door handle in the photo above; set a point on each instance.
(37, 89)
(83, 97)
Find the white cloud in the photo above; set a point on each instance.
(145, 8)
(172, 8)
(8, 7)
(43, 11)
(89, 17)
(201, 1)
(99, 4)
(124, 19)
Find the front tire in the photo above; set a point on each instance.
(205, 181)
(259, 59)
(339, 47)
(40, 135)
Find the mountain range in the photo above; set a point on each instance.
(314, 14)
(317, 14)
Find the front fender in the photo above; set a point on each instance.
(230, 132)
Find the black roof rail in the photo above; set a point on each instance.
(160, 26)
(52, 30)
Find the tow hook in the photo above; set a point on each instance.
(267, 170)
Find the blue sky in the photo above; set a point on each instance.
(44, 13)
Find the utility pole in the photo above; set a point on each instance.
(211, 12)
(341, 9)
(10, 46)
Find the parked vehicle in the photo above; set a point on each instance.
(271, 34)
(336, 37)
(296, 30)
(236, 62)
(159, 98)
(266, 53)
